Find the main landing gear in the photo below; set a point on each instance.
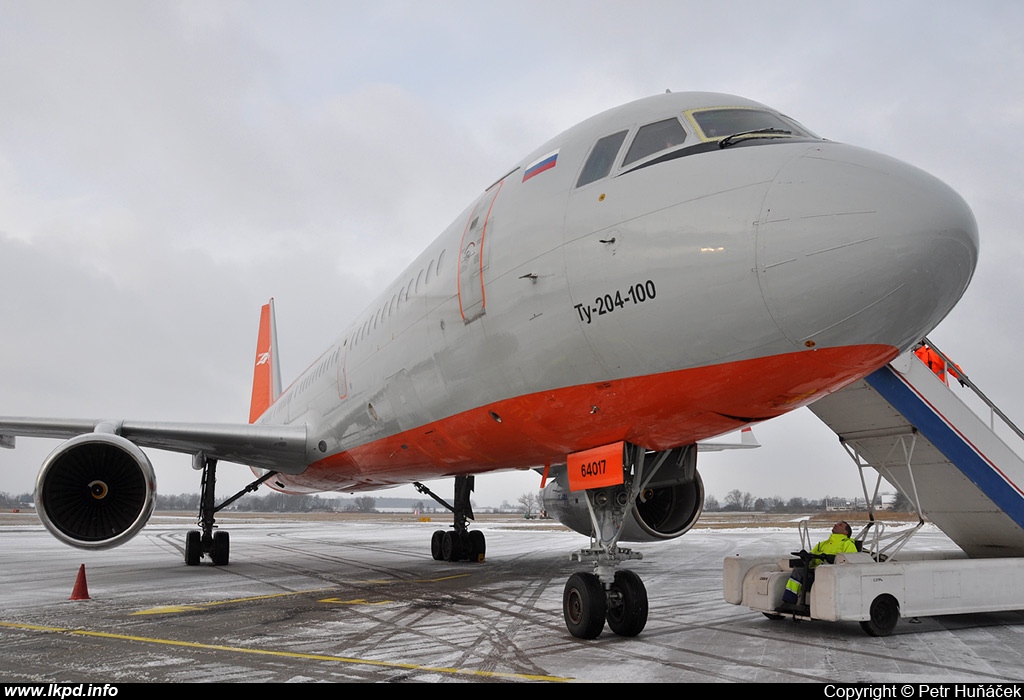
(617, 597)
(215, 545)
(459, 543)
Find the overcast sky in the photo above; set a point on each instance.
(166, 167)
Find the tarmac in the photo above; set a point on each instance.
(329, 599)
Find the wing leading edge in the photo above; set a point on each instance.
(281, 448)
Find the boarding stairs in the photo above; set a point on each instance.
(924, 438)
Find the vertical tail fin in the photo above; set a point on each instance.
(747, 438)
(266, 373)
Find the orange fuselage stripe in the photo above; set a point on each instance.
(659, 412)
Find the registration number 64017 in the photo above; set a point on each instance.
(596, 468)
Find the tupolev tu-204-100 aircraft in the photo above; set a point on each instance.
(665, 272)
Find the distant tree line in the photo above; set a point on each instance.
(739, 501)
(8, 500)
(531, 502)
(273, 502)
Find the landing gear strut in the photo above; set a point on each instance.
(617, 597)
(459, 543)
(217, 544)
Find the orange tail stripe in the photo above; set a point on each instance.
(262, 372)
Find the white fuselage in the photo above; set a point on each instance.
(689, 293)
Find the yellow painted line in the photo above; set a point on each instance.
(284, 654)
(191, 607)
(166, 609)
(356, 601)
(391, 581)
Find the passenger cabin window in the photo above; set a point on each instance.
(654, 138)
(601, 158)
(722, 122)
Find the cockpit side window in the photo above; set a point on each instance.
(724, 121)
(601, 158)
(655, 137)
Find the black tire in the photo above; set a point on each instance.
(584, 606)
(221, 548)
(885, 613)
(629, 618)
(477, 546)
(193, 547)
(435, 545)
(451, 546)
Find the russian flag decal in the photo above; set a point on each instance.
(540, 165)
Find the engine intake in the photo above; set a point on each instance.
(95, 491)
(666, 512)
(666, 509)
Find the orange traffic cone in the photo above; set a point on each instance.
(81, 591)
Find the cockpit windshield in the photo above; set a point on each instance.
(655, 137)
(718, 122)
(667, 140)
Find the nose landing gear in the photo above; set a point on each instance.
(617, 597)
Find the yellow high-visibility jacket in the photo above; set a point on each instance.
(835, 544)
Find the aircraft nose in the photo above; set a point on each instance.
(857, 248)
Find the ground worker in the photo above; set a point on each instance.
(935, 363)
(838, 542)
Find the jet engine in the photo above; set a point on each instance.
(667, 507)
(95, 491)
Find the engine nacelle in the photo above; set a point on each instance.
(95, 491)
(664, 510)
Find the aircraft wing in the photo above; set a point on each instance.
(747, 442)
(281, 448)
